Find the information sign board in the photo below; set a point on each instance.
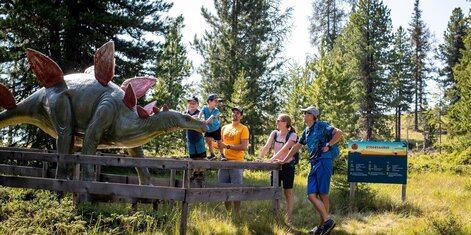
(377, 162)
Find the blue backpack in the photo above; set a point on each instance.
(296, 155)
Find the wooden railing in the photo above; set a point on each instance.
(121, 188)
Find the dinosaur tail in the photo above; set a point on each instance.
(25, 112)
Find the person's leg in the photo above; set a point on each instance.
(224, 177)
(326, 200)
(289, 204)
(318, 205)
(236, 176)
(287, 177)
(209, 142)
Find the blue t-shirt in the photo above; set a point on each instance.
(214, 125)
(191, 135)
(316, 137)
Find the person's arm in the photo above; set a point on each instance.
(286, 147)
(336, 136)
(209, 120)
(200, 115)
(242, 146)
(290, 154)
(267, 146)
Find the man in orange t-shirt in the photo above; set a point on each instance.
(235, 139)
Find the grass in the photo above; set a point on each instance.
(438, 202)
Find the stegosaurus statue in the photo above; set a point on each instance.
(88, 110)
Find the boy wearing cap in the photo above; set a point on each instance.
(194, 139)
(210, 112)
(235, 139)
(321, 140)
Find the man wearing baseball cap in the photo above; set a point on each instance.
(321, 139)
(235, 139)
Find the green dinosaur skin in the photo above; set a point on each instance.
(82, 112)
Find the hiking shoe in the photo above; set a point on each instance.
(212, 157)
(316, 230)
(328, 226)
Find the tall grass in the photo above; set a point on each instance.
(438, 202)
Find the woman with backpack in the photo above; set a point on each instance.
(282, 139)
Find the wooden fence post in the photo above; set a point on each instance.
(276, 200)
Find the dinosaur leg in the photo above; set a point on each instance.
(142, 172)
(61, 117)
(100, 121)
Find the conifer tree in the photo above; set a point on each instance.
(401, 78)
(450, 51)
(459, 118)
(69, 32)
(245, 36)
(171, 68)
(420, 41)
(327, 21)
(367, 45)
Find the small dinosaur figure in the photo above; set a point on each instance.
(88, 110)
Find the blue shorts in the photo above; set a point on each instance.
(197, 148)
(318, 180)
(233, 176)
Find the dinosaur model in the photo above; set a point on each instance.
(89, 111)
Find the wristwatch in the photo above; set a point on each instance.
(228, 146)
(327, 145)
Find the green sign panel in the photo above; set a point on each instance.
(377, 162)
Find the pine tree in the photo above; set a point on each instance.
(69, 32)
(245, 36)
(450, 51)
(420, 36)
(459, 118)
(367, 45)
(326, 22)
(334, 95)
(401, 78)
(171, 68)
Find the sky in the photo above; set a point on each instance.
(435, 14)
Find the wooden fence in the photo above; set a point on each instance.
(120, 188)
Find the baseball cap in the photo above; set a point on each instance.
(212, 97)
(194, 98)
(240, 109)
(312, 110)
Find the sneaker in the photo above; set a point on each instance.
(328, 226)
(211, 157)
(223, 158)
(316, 230)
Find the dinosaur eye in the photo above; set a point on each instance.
(188, 118)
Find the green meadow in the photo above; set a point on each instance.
(438, 202)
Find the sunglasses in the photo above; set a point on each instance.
(280, 121)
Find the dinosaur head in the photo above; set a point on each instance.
(171, 120)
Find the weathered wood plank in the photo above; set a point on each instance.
(233, 165)
(21, 170)
(135, 191)
(160, 163)
(232, 194)
(119, 160)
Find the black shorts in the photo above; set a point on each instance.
(216, 135)
(286, 176)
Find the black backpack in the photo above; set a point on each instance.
(296, 155)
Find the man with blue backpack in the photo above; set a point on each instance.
(321, 139)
